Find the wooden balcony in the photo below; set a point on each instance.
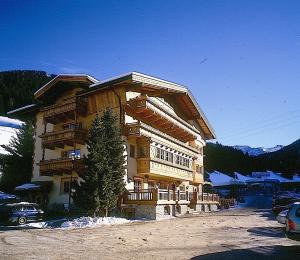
(153, 167)
(160, 196)
(197, 177)
(60, 166)
(65, 137)
(132, 129)
(144, 110)
(198, 197)
(65, 111)
(155, 196)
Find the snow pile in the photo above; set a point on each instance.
(36, 225)
(84, 222)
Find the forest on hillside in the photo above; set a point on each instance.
(228, 160)
(17, 88)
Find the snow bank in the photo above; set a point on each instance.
(84, 222)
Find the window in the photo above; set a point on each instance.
(65, 184)
(297, 213)
(142, 151)
(72, 126)
(132, 151)
(151, 185)
(162, 154)
(70, 153)
(137, 184)
(158, 150)
(166, 210)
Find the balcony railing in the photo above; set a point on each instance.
(65, 137)
(65, 111)
(167, 196)
(133, 129)
(143, 109)
(60, 166)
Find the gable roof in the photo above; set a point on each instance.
(185, 97)
(64, 77)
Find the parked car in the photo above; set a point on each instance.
(20, 213)
(293, 222)
(279, 208)
(281, 218)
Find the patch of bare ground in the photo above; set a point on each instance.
(224, 234)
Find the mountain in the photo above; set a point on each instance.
(17, 88)
(255, 151)
(228, 159)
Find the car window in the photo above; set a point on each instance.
(297, 212)
(17, 208)
(30, 208)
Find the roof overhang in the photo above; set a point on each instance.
(83, 78)
(148, 83)
(23, 110)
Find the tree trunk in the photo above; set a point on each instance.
(106, 212)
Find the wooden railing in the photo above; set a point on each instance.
(167, 195)
(60, 166)
(60, 138)
(132, 129)
(156, 116)
(52, 113)
(227, 203)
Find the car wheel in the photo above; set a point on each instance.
(22, 220)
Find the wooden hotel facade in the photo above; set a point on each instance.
(163, 127)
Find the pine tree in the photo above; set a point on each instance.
(103, 181)
(16, 164)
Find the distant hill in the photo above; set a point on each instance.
(286, 160)
(256, 151)
(17, 87)
(228, 159)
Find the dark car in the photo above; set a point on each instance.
(20, 213)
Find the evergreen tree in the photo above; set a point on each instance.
(16, 164)
(103, 181)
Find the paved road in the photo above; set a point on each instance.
(243, 233)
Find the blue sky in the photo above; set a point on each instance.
(241, 59)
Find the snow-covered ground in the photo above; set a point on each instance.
(84, 222)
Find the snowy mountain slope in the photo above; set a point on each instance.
(255, 151)
(8, 129)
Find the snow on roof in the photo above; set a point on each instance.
(58, 77)
(241, 177)
(4, 196)
(20, 109)
(9, 122)
(28, 186)
(296, 178)
(267, 176)
(221, 179)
